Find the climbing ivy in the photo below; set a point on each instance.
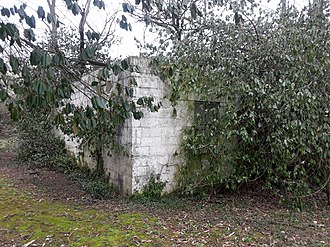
(268, 82)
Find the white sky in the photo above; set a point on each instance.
(127, 47)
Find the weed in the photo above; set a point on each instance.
(152, 191)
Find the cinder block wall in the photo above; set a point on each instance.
(157, 136)
(152, 143)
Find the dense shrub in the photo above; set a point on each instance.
(39, 147)
(271, 123)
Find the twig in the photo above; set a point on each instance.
(29, 243)
(231, 234)
(254, 26)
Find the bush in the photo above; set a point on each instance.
(41, 148)
(272, 79)
(39, 145)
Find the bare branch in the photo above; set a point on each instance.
(83, 19)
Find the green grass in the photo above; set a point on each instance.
(56, 223)
(25, 217)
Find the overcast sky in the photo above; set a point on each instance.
(96, 18)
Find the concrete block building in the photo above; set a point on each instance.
(152, 144)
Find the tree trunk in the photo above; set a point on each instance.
(53, 42)
(83, 19)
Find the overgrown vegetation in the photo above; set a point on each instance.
(39, 75)
(268, 74)
(152, 191)
(40, 147)
(268, 80)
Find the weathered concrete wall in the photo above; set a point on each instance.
(152, 143)
(79, 98)
(118, 166)
(157, 136)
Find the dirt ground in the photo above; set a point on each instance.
(248, 219)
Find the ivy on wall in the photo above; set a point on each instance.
(275, 125)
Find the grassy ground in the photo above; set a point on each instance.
(41, 207)
(25, 218)
(29, 212)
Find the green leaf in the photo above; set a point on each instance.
(75, 9)
(94, 103)
(84, 55)
(128, 8)
(87, 53)
(119, 88)
(21, 13)
(3, 33)
(50, 73)
(93, 122)
(30, 21)
(41, 87)
(99, 3)
(57, 58)
(193, 11)
(10, 30)
(69, 4)
(98, 103)
(129, 91)
(105, 73)
(29, 34)
(59, 119)
(140, 101)
(92, 35)
(132, 81)
(137, 115)
(89, 34)
(26, 73)
(124, 64)
(123, 25)
(15, 112)
(3, 67)
(13, 61)
(46, 59)
(50, 18)
(3, 95)
(36, 56)
(95, 83)
(95, 36)
(5, 12)
(41, 13)
(116, 69)
(90, 52)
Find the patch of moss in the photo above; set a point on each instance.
(25, 218)
(136, 219)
